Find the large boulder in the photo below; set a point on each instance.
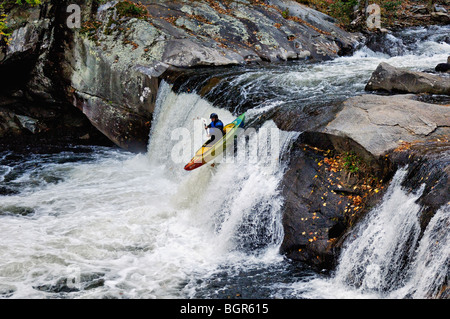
(327, 187)
(338, 171)
(382, 123)
(33, 99)
(443, 67)
(28, 27)
(111, 67)
(392, 79)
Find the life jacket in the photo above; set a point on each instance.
(218, 125)
(214, 128)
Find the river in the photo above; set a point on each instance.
(100, 222)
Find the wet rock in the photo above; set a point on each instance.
(24, 124)
(438, 8)
(443, 67)
(441, 17)
(6, 291)
(429, 164)
(84, 281)
(385, 43)
(6, 191)
(420, 9)
(28, 29)
(323, 199)
(30, 124)
(8, 125)
(391, 79)
(16, 211)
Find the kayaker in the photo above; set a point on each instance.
(215, 127)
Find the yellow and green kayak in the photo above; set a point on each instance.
(210, 151)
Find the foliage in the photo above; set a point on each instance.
(351, 162)
(389, 8)
(4, 30)
(346, 175)
(343, 10)
(130, 9)
(30, 2)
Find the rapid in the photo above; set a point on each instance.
(100, 222)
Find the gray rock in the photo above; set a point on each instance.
(441, 17)
(443, 67)
(391, 79)
(438, 8)
(30, 124)
(319, 208)
(28, 27)
(422, 9)
(381, 123)
(187, 53)
(117, 66)
(8, 125)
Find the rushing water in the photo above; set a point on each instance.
(380, 260)
(99, 222)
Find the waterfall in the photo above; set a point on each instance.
(99, 222)
(241, 193)
(385, 254)
(430, 271)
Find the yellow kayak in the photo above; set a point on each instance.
(210, 151)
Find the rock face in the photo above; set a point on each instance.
(428, 163)
(322, 198)
(443, 67)
(29, 29)
(111, 68)
(231, 32)
(338, 172)
(33, 102)
(118, 64)
(391, 79)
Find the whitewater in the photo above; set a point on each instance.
(100, 222)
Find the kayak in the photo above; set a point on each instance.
(210, 151)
